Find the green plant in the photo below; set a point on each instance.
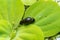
(46, 15)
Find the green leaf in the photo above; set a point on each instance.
(4, 38)
(11, 10)
(5, 30)
(39, 11)
(51, 29)
(30, 32)
(28, 2)
(45, 13)
(46, 0)
(5, 27)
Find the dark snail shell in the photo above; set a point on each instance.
(27, 21)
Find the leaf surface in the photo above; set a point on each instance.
(11, 10)
(45, 13)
